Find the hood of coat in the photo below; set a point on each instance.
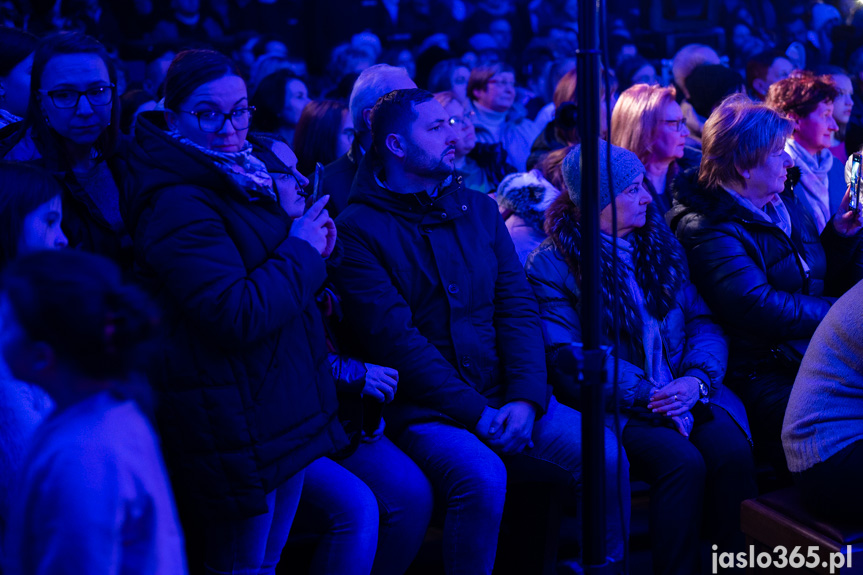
(157, 160)
(421, 206)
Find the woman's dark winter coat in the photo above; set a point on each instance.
(749, 271)
(693, 342)
(246, 390)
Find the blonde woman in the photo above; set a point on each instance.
(648, 121)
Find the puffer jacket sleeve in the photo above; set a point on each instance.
(374, 308)
(737, 289)
(192, 253)
(556, 291)
(349, 373)
(705, 353)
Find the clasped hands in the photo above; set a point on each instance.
(675, 400)
(508, 429)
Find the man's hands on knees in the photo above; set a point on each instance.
(508, 429)
(316, 227)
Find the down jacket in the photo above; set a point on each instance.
(694, 343)
(749, 271)
(246, 391)
(433, 288)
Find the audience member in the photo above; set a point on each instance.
(132, 103)
(524, 197)
(765, 69)
(648, 121)
(450, 76)
(807, 100)
(246, 393)
(16, 61)
(72, 128)
(635, 70)
(93, 495)
(278, 101)
(324, 133)
(372, 83)
(491, 90)
(342, 499)
(421, 255)
(688, 59)
(682, 430)
(843, 104)
(482, 166)
(30, 216)
(707, 85)
(756, 256)
(821, 433)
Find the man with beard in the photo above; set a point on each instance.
(433, 287)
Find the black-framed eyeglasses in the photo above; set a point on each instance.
(285, 177)
(211, 121)
(68, 98)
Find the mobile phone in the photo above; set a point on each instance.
(319, 182)
(856, 184)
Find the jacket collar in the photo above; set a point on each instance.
(441, 206)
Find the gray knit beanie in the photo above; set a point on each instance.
(625, 167)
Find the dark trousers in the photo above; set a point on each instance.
(765, 396)
(711, 471)
(832, 488)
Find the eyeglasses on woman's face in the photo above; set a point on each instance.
(66, 98)
(211, 121)
(459, 121)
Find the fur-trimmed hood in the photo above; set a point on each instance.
(660, 263)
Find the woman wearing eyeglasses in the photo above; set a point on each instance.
(246, 395)
(71, 128)
(648, 121)
(482, 165)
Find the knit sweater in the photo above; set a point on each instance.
(516, 134)
(825, 410)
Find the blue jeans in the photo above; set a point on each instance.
(377, 497)
(470, 479)
(253, 545)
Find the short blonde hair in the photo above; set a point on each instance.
(636, 118)
(688, 59)
(739, 135)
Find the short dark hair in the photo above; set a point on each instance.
(269, 100)
(78, 304)
(50, 143)
(23, 188)
(15, 46)
(394, 113)
(190, 70)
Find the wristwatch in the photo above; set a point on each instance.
(704, 392)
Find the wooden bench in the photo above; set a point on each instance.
(781, 519)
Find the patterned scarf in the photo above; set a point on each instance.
(247, 171)
(813, 179)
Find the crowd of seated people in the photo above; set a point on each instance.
(210, 350)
